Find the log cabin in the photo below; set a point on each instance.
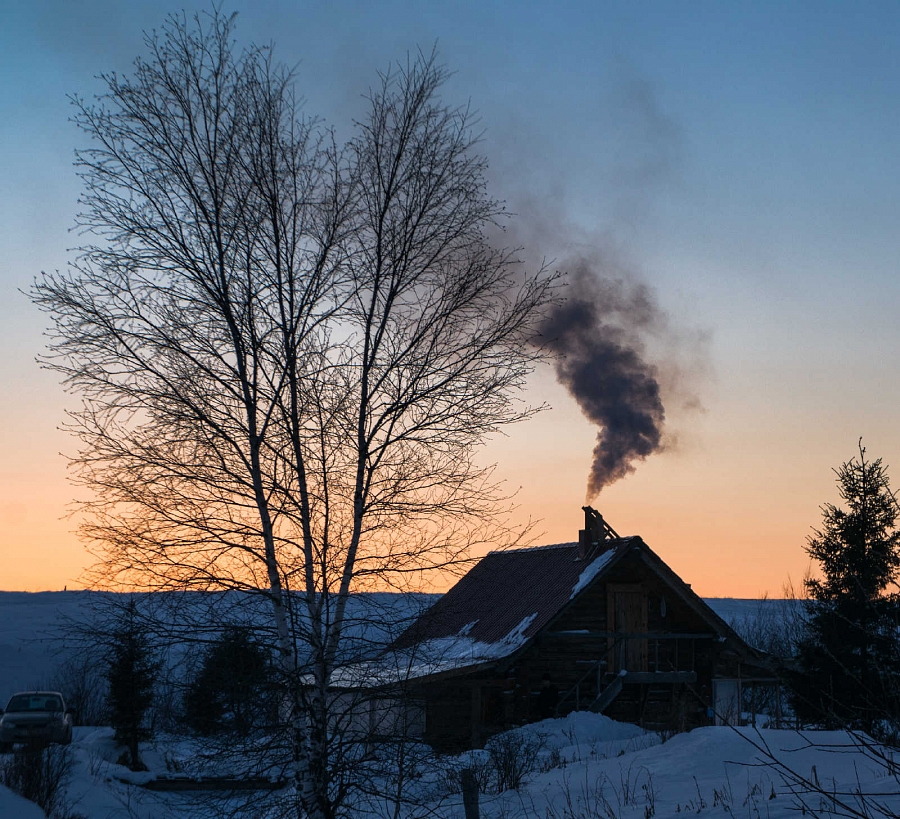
(600, 624)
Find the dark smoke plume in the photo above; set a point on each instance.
(596, 336)
(615, 350)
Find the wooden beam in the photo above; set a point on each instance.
(641, 635)
(649, 677)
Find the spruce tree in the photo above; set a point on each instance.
(848, 656)
(230, 690)
(131, 673)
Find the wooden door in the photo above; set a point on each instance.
(626, 608)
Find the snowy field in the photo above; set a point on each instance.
(33, 627)
(585, 766)
(588, 767)
(30, 636)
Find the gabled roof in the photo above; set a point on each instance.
(510, 596)
(520, 589)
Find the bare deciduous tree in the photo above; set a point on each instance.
(287, 351)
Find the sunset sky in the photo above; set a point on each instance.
(740, 159)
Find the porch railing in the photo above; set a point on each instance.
(662, 654)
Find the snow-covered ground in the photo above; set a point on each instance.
(13, 806)
(736, 610)
(31, 641)
(713, 772)
(587, 765)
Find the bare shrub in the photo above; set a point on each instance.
(513, 757)
(40, 774)
(478, 763)
(80, 680)
(552, 761)
(506, 763)
(589, 800)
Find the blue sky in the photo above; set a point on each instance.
(740, 158)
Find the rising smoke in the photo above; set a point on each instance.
(613, 348)
(595, 336)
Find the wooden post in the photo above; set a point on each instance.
(753, 703)
(476, 715)
(778, 704)
(469, 793)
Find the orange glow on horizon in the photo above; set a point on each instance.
(725, 520)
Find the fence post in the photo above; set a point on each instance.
(469, 792)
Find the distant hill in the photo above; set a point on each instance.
(33, 642)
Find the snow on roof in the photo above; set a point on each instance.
(461, 651)
(591, 571)
(433, 657)
(502, 602)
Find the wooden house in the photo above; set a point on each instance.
(602, 624)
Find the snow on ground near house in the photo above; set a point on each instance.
(13, 806)
(100, 788)
(715, 772)
(588, 765)
(606, 769)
